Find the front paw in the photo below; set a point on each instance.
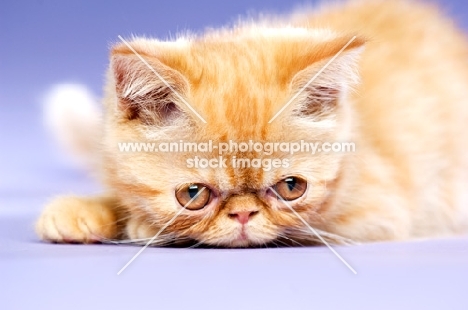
(77, 220)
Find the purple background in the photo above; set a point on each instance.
(48, 42)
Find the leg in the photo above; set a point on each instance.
(78, 219)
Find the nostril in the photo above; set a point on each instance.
(242, 216)
(252, 213)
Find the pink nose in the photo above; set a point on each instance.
(242, 216)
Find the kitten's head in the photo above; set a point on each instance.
(226, 88)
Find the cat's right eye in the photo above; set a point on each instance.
(193, 196)
(290, 188)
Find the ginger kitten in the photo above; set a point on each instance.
(397, 88)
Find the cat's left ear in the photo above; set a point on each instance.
(325, 77)
(147, 89)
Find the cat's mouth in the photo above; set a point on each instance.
(238, 238)
(242, 239)
(239, 241)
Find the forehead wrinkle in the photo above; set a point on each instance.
(237, 85)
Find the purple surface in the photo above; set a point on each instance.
(46, 42)
(417, 275)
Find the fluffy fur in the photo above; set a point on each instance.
(73, 118)
(399, 91)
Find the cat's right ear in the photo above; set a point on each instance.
(145, 87)
(327, 73)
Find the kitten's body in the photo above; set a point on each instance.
(407, 116)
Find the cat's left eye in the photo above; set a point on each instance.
(290, 188)
(193, 196)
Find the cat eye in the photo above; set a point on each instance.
(193, 196)
(291, 188)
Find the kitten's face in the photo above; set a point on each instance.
(237, 83)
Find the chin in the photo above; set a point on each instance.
(241, 241)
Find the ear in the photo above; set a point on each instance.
(323, 84)
(145, 89)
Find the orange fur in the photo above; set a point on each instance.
(399, 91)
